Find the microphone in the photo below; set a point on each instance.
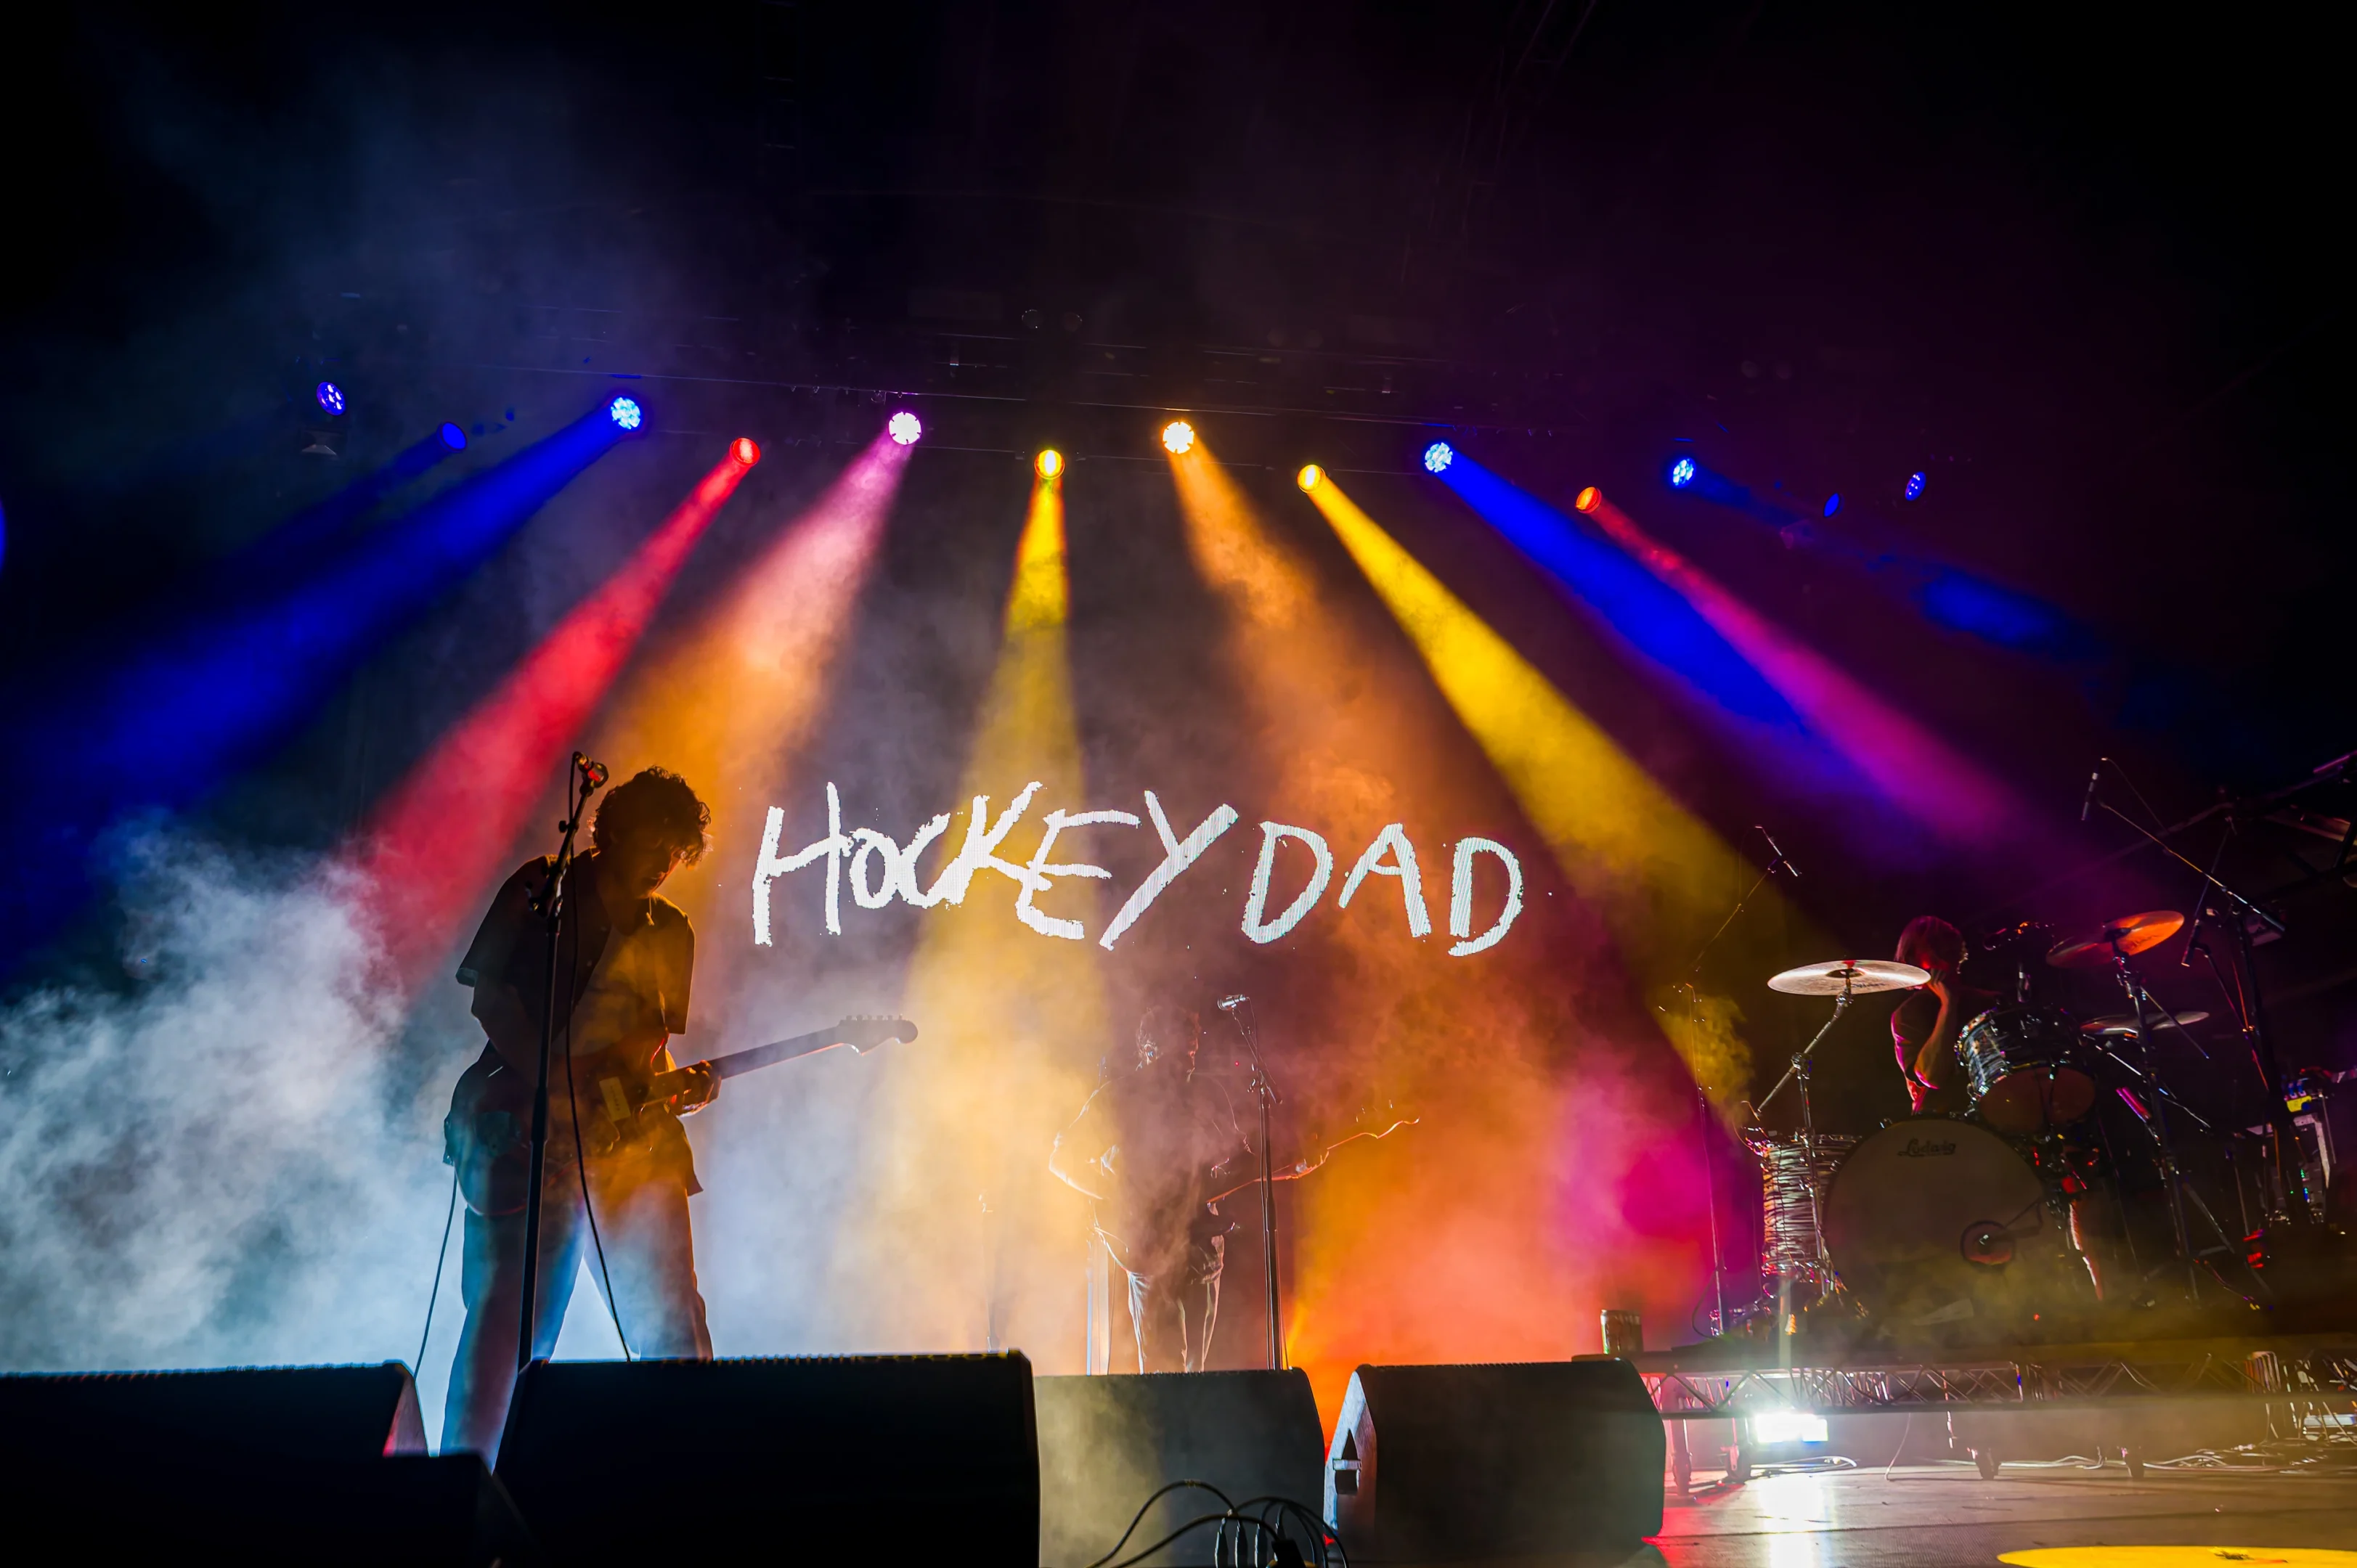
(593, 774)
(1778, 851)
(1230, 1004)
(2094, 778)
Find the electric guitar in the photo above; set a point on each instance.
(487, 1134)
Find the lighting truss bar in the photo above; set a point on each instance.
(2031, 1376)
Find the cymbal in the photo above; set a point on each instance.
(2130, 934)
(2123, 1024)
(1855, 976)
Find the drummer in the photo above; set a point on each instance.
(1924, 1028)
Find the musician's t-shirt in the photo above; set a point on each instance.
(511, 945)
(1911, 1022)
(1169, 1129)
(630, 988)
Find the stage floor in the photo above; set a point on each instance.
(1945, 1516)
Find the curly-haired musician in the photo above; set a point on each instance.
(1924, 1027)
(625, 958)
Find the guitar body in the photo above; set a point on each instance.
(487, 1135)
(488, 1132)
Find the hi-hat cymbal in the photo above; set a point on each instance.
(2122, 1025)
(1855, 976)
(2130, 934)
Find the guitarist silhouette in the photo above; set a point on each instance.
(618, 1169)
(624, 961)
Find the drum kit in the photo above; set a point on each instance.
(2005, 1219)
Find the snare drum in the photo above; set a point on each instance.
(2028, 1070)
(1788, 1218)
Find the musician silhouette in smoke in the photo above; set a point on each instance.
(1153, 1146)
(629, 957)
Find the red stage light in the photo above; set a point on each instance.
(1586, 499)
(744, 450)
(445, 835)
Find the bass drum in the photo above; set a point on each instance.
(1940, 1230)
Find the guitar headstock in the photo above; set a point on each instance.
(863, 1032)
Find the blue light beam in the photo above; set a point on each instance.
(173, 718)
(1649, 615)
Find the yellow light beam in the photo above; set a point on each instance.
(1013, 1021)
(1661, 873)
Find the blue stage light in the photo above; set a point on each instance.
(1659, 623)
(1682, 473)
(1438, 457)
(625, 414)
(330, 396)
(1832, 503)
(452, 437)
(1915, 486)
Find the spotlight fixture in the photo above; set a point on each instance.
(904, 428)
(1438, 457)
(330, 396)
(1050, 463)
(744, 450)
(1310, 477)
(452, 436)
(1177, 436)
(1832, 503)
(1915, 486)
(1682, 473)
(625, 414)
(1587, 500)
(1777, 1426)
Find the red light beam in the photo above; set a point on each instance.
(442, 834)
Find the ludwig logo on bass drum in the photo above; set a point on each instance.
(1917, 1150)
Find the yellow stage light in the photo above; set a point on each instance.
(1586, 499)
(1177, 436)
(1050, 464)
(1310, 476)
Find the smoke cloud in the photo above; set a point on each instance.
(217, 1161)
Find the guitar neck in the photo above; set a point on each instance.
(773, 1053)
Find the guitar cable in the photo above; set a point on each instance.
(580, 1161)
(449, 1217)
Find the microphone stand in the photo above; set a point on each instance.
(1702, 1090)
(1240, 1009)
(550, 906)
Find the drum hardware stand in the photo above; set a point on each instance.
(2165, 1148)
(1702, 1090)
(2255, 1037)
(1827, 1282)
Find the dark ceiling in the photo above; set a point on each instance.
(2071, 268)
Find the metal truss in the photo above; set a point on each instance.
(2040, 1377)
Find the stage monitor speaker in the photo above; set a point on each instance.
(258, 1412)
(812, 1458)
(1442, 1463)
(1106, 1443)
(256, 1465)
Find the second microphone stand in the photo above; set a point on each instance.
(1240, 1009)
